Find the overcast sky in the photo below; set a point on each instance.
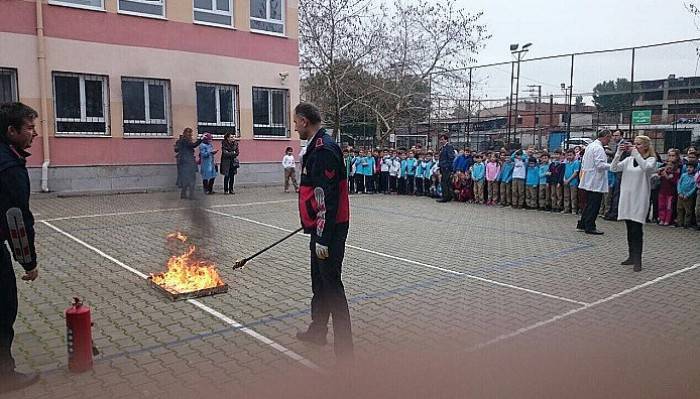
(566, 26)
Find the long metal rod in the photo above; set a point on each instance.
(571, 92)
(241, 262)
(469, 108)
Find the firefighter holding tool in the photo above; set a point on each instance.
(17, 130)
(324, 208)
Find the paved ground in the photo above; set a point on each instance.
(428, 284)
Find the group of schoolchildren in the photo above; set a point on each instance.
(397, 172)
(523, 179)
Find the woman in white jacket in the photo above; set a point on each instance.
(635, 190)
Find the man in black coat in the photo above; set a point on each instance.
(17, 130)
(445, 162)
(324, 208)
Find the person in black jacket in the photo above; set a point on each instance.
(324, 208)
(17, 130)
(186, 163)
(446, 160)
(229, 161)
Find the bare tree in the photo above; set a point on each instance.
(421, 40)
(337, 40)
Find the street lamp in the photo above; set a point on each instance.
(519, 54)
(567, 96)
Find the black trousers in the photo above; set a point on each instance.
(228, 182)
(410, 184)
(614, 200)
(590, 213)
(369, 184)
(359, 183)
(351, 182)
(208, 185)
(8, 310)
(329, 293)
(635, 241)
(445, 180)
(384, 182)
(402, 185)
(393, 183)
(419, 186)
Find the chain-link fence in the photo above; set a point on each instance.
(555, 101)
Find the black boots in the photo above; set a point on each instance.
(312, 337)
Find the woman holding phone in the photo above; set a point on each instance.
(635, 191)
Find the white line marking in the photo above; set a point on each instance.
(485, 280)
(97, 251)
(574, 311)
(233, 323)
(99, 215)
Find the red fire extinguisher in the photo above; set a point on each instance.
(79, 337)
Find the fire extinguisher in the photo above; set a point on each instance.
(79, 337)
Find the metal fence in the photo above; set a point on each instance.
(652, 90)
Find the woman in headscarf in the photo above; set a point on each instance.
(208, 167)
(229, 161)
(186, 164)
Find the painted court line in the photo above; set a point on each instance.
(524, 330)
(99, 215)
(287, 352)
(442, 269)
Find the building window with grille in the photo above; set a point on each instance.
(270, 112)
(146, 107)
(217, 109)
(87, 4)
(267, 16)
(8, 85)
(81, 104)
(213, 12)
(144, 8)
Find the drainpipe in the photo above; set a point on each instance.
(41, 57)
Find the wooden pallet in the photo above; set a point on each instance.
(179, 296)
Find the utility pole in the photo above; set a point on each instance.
(519, 54)
(536, 124)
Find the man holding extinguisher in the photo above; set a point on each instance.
(17, 130)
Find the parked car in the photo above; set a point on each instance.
(576, 142)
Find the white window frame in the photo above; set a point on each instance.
(83, 105)
(229, 13)
(283, 21)
(236, 108)
(285, 125)
(147, 108)
(143, 14)
(14, 96)
(68, 3)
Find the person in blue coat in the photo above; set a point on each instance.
(532, 181)
(506, 179)
(207, 165)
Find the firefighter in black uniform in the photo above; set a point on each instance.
(324, 208)
(17, 131)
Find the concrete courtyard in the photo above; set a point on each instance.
(519, 299)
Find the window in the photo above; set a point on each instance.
(146, 107)
(214, 12)
(267, 16)
(8, 85)
(270, 112)
(148, 8)
(89, 4)
(81, 104)
(217, 109)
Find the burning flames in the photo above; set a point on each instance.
(185, 273)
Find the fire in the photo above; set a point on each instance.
(186, 273)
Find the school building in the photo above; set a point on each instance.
(117, 81)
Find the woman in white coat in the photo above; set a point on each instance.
(635, 190)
